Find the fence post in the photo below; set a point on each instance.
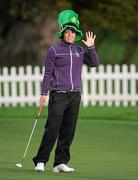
(133, 84)
(125, 85)
(93, 87)
(109, 85)
(14, 95)
(117, 85)
(29, 84)
(22, 85)
(101, 85)
(37, 84)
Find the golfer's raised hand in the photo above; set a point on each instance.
(90, 38)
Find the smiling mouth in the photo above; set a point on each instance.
(70, 38)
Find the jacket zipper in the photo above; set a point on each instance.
(72, 86)
(57, 79)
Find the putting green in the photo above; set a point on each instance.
(105, 145)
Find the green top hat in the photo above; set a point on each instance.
(68, 19)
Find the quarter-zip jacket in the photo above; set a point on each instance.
(63, 66)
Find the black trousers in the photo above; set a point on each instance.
(63, 111)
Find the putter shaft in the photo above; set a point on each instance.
(28, 143)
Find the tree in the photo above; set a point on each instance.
(107, 16)
(110, 15)
(27, 28)
(25, 25)
(20, 33)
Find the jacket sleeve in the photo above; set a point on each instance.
(49, 66)
(91, 57)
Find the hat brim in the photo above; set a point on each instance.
(79, 33)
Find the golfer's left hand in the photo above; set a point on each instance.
(90, 38)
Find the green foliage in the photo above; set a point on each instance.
(107, 18)
(27, 10)
(134, 59)
(62, 5)
(112, 50)
(114, 15)
(22, 25)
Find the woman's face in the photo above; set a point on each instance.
(69, 36)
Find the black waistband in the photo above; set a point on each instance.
(66, 92)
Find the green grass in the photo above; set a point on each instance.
(105, 146)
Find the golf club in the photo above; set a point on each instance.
(28, 143)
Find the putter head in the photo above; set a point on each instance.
(19, 165)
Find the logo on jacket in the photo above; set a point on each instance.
(77, 54)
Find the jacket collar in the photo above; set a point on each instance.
(64, 43)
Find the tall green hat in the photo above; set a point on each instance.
(68, 19)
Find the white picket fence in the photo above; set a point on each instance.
(103, 86)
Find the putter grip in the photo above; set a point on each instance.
(40, 110)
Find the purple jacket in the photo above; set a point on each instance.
(63, 66)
